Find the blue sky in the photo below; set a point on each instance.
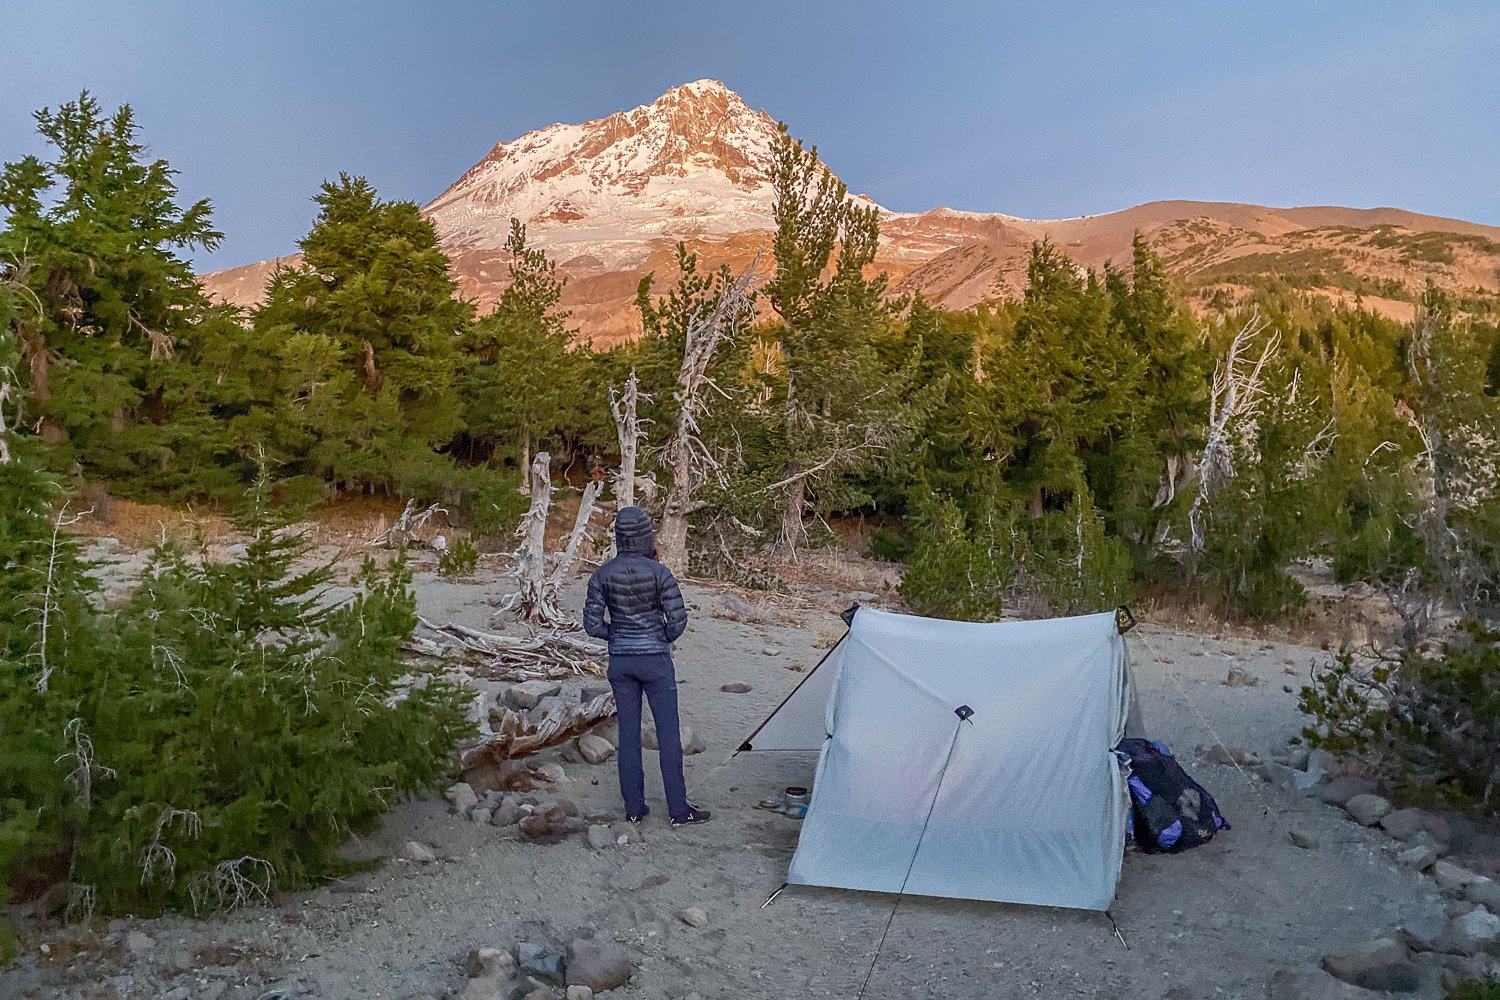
(1037, 109)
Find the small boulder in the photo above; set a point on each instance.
(540, 961)
(691, 742)
(138, 943)
(625, 833)
(648, 738)
(589, 692)
(1419, 857)
(1301, 839)
(485, 988)
(1367, 809)
(1297, 757)
(481, 814)
(736, 607)
(693, 917)
(1472, 933)
(1450, 877)
(1485, 892)
(595, 749)
(535, 827)
(1381, 965)
(542, 994)
(527, 694)
(1424, 928)
(580, 993)
(1343, 788)
(600, 837)
(738, 687)
(1404, 824)
(598, 965)
(771, 651)
(1240, 678)
(461, 797)
(552, 772)
(507, 813)
(419, 852)
(490, 962)
(1279, 775)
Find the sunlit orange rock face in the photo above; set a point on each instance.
(609, 199)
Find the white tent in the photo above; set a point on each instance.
(964, 760)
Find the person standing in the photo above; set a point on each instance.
(634, 604)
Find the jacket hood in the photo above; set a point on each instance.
(633, 535)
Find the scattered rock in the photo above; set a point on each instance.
(542, 994)
(1279, 775)
(1484, 891)
(540, 961)
(691, 742)
(1381, 965)
(1423, 929)
(625, 833)
(1306, 841)
(527, 694)
(1240, 678)
(600, 837)
(1471, 934)
(1297, 758)
(580, 993)
(1404, 824)
(648, 738)
(738, 687)
(507, 814)
(736, 607)
(589, 692)
(1420, 857)
(771, 651)
(550, 705)
(461, 797)
(419, 852)
(486, 988)
(535, 826)
(1343, 788)
(1450, 877)
(551, 771)
(1437, 828)
(1367, 809)
(598, 965)
(1228, 755)
(595, 749)
(693, 917)
(481, 814)
(490, 962)
(137, 943)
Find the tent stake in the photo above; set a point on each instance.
(1116, 927)
(772, 897)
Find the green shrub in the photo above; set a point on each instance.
(458, 559)
(950, 574)
(1487, 988)
(217, 738)
(1429, 719)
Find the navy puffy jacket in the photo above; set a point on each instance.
(645, 613)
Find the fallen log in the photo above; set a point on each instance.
(483, 761)
(549, 655)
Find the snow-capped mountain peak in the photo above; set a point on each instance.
(691, 163)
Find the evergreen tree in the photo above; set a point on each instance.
(358, 348)
(522, 380)
(103, 233)
(841, 408)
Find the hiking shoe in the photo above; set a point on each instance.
(692, 817)
(637, 817)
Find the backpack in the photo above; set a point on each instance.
(1170, 811)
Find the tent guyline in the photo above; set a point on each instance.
(965, 714)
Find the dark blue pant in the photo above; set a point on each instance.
(653, 675)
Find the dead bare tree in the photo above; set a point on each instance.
(541, 579)
(686, 458)
(407, 525)
(1235, 403)
(630, 430)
